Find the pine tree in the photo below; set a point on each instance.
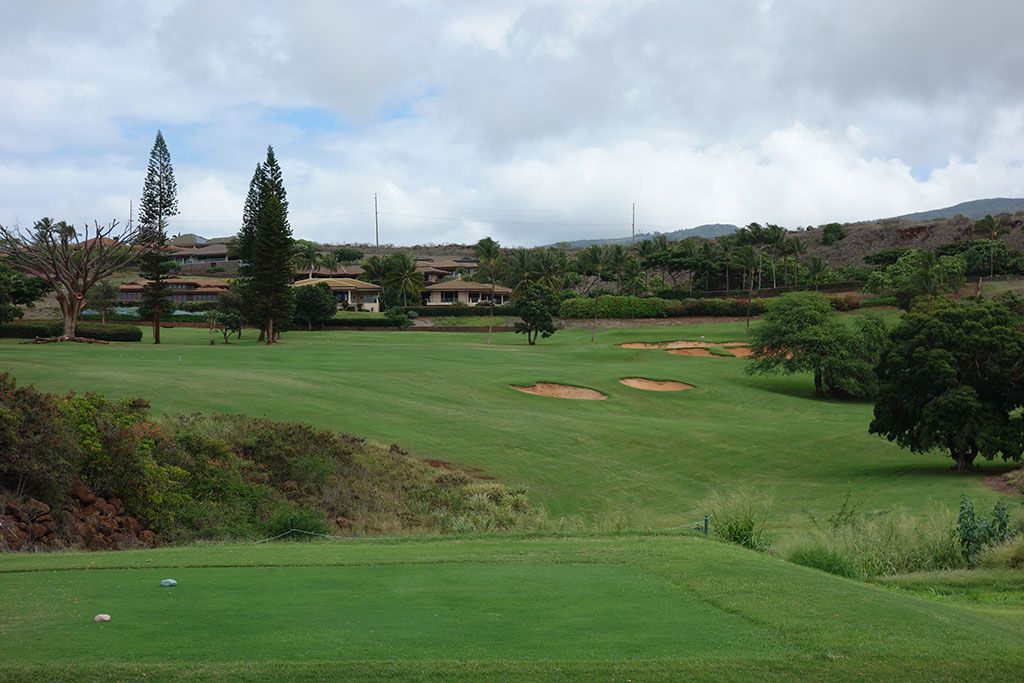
(265, 243)
(159, 202)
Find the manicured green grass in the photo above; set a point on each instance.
(638, 459)
(608, 607)
(991, 288)
(472, 320)
(359, 315)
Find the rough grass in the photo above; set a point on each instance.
(606, 607)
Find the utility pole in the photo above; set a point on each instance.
(633, 233)
(376, 221)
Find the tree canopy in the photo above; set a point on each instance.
(952, 378)
(536, 306)
(802, 333)
(314, 304)
(159, 202)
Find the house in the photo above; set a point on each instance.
(349, 292)
(188, 239)
(210, 253)
(179, 290)
(343, 271)
(470, 293)
(464, 264)
(431, 274)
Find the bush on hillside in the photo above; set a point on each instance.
(367, 322)
(230, 476)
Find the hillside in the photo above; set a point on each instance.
(900, 233)
(975, 209)
(709, 231)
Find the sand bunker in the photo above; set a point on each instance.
(654, 384)
(702, 353)
(741, 351)
(561, 391)
(682, 344)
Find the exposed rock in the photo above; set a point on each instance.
(88, 521)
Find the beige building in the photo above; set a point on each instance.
(349, 292)
(470, 293)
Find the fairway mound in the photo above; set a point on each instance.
(562, 391)
(654, 384)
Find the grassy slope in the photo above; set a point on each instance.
(648, 456)
(530, 608)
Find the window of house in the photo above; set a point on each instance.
(474, 297)
(449, 297)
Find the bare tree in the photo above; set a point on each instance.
(70, 261)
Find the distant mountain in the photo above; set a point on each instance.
(709, 231)
(974, 210)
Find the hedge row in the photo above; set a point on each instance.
(356, 322)
(461, 311)
(134, 317)
(43, 328)
(766, 292)
(654, 307)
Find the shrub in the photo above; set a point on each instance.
(39, 454)
(360, 323)
(832, 233)
(300, 524)
(974, 534)
(1008, 555)
(397, 317)
(121, 333)
(33, 329)
(198, 306)
(451, 311)
(715, 307)
(740, 517)
(614, 307)
(845, 303)
(889, 543)
(876, 301)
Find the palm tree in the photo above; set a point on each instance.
(748, 259)
(618, 261)
(403, 278)
(991, 229)
(774, 238)
(796, 248)
(550, 267)
(594, 261)
(307, 256)
(816, 269)
(375, 270)
(488, 255)
(517, 267)
(331, 262)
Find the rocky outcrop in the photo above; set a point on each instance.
(88, 522)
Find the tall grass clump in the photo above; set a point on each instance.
(877, 545)
(741, 517)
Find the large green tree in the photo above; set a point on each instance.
(267, 248)
(159, 203)
(802, 333)
(952, 378)
(535, 306)
(17, 292)
(314, 305)
(919, 273)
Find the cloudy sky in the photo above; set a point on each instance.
(531, 121)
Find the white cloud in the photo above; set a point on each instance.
(534, 121)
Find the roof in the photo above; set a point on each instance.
(338, 283)
(187, 239)
(454, 265)
(207, 250)
(427, 268)
(466, 286)
(323, 271)
(205, 283)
